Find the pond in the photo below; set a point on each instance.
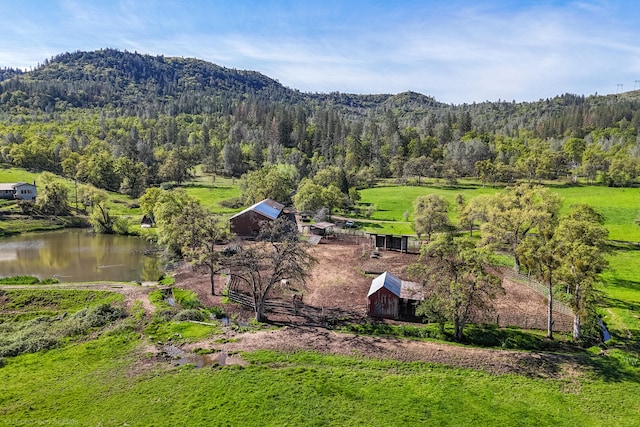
(79, 256)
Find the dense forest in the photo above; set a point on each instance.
(124, 121)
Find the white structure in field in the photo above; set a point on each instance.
(18, 190)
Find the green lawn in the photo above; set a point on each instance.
(620, 206)
(211, 193)
(17, 175)
(621, 302)
(102, 383)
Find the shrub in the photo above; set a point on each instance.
(166, 281)
(232, 203)
(217, 312)
(93, 317)
(164, 314)
(19, 280)
(190, 314)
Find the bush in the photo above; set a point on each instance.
(46, 332)
(166, 281)
(187, 299)
(164, 314)
(232, 203)
(217, 312)
(19, 280)
(190, 314)
(93, 317)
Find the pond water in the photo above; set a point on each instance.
(78, 256)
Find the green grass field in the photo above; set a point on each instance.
(104, 382)
(621, 301)
(620, 206)
(211, 193)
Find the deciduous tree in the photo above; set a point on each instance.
(455, 281)
(514, 213)
(200, 234)
(277, 255)
(52, 195)
(430, 215)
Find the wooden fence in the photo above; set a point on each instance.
(538, 288)
(316, 315)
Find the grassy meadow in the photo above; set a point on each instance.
(108, 382)
(620, 206)
(211, 192)
(108, 377)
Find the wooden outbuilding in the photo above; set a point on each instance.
(247, 223)
(322, 228)
(392, 298)
(403, 243)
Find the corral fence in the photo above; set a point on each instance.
(523, 321)
(324, 316)
(537, 287)
(359, 237)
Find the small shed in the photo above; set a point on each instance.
(384, 296)
(322, 228)
(392, 298)
(247, 222)
(391, 242)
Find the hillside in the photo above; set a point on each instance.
(160, 116)
(138, 83)
(113, 78)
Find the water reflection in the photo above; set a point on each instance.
(75, 255)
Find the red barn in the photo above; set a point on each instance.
(392, 298)
(247, 222)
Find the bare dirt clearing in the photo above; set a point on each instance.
(341, 279)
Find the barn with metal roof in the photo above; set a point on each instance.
(393, 298)
(247, 222)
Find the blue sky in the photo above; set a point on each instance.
(455, 51)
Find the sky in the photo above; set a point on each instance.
(456, 51)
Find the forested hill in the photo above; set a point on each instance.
(141, 83)
(133, 82)
(124, 121)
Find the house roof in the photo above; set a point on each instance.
(322, 225)
(267, 207)
(400, 288)
(6, 187)
(388, 281)
(11, 185)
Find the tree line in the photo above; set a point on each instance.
(124, 121)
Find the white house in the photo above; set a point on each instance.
(18, 190)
